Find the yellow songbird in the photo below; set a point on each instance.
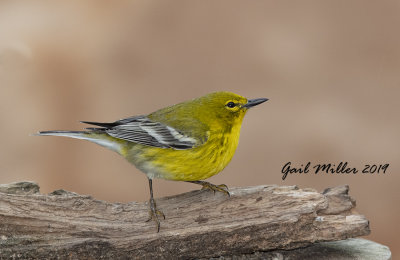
(189, 141)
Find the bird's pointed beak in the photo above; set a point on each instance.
(254, 102)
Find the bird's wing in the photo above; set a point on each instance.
(142, 130)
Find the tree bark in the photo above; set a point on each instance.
(198, 224)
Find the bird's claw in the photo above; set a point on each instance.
(154, 214)
(221, 188)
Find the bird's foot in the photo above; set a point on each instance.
(154, 214)
(209, 186)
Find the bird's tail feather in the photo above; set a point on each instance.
(92, 136)
(72, 134)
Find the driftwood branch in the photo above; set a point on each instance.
(198, 224)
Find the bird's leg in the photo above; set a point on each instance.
(209, 186)
(154, 212)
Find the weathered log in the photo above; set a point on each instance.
(349, 249)
(198, 224)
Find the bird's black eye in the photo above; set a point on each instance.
(231, 104)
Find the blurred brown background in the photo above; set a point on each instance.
(331, 70)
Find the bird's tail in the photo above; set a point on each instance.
(72, 134)
(99, 138)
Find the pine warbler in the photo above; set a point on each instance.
(189, 141)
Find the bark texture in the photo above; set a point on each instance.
(198, 224)
(349, 249)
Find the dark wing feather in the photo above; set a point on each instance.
(142, 130)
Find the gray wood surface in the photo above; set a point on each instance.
(199, 224)
(349, 249)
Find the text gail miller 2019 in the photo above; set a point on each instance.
(340, 168)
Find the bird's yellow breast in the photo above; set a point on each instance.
(198, 163)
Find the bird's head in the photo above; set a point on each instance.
(226, 108)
